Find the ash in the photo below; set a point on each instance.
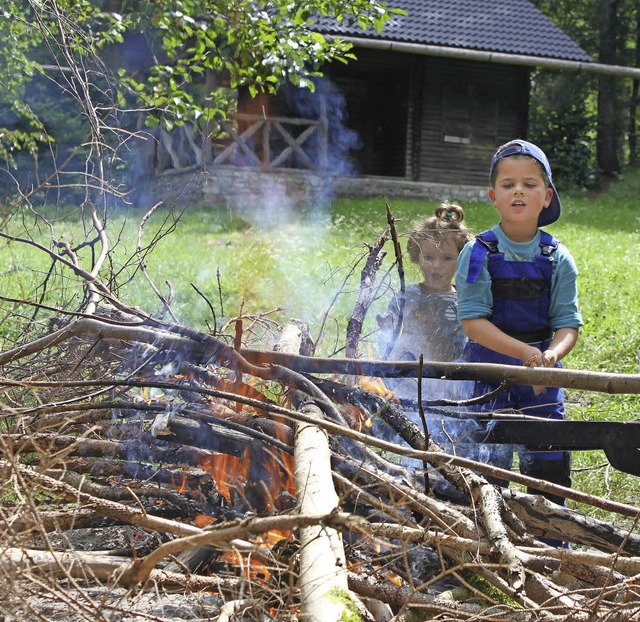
(101, 604)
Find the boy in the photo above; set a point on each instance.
(518, 300)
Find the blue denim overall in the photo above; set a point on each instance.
(521, 298)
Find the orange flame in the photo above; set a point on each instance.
(229, 472)
(204, 520)
(393, 577)
(252, 569)
(280, 478)
(377, 386)
(358, 419)
(182, 486)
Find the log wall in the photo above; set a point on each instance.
(431, 119)
(468, 109)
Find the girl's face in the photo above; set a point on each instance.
(519, 194)
(438, 264)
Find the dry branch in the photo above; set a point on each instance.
(612, 383)
(367, 285)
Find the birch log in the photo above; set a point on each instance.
(324, 595)
(323, 571)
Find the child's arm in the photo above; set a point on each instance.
(485, 333)
(563, 342)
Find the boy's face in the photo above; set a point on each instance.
(519, 193)
(438, 264)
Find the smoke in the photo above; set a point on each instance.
(448, 426)
(294, 207)
(326, 101)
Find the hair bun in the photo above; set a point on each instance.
(449, 211)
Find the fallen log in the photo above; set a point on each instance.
(423, 606)
(108, 568)
(546, 519)
(145, 449)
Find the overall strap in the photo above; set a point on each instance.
(548, 243)
(486, 242)
(545, 257)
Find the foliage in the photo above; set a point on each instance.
(562, 108)
(259, 44)
(578, 19)
(16, 67)
(148, 55)
(562, 122)
(569, 111)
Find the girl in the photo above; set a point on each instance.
(430, 323)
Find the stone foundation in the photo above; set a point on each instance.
(243, 187)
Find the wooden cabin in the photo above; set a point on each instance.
(427, 101)
(423, 114)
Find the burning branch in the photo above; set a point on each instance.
(367, 279)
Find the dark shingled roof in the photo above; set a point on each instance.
(508, 26)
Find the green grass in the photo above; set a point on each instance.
(296, 267)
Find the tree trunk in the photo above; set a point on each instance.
(608, 138)
(633, 103)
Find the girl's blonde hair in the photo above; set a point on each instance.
(446, 223)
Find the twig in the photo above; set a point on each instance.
(143, 267)
(399, 262)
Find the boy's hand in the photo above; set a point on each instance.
(536, 359)
(532, 357)
(549, 358)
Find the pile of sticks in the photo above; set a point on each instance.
(255, 475)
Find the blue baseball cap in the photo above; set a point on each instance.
(551, 213)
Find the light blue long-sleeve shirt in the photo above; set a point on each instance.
(475, 300)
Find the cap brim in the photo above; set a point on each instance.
(551, 213)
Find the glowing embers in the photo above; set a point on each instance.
(375, 557)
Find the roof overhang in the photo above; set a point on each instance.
(493, 57)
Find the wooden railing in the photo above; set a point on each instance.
(263, 142)
(274, 142)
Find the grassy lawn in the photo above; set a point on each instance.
(305, 265)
